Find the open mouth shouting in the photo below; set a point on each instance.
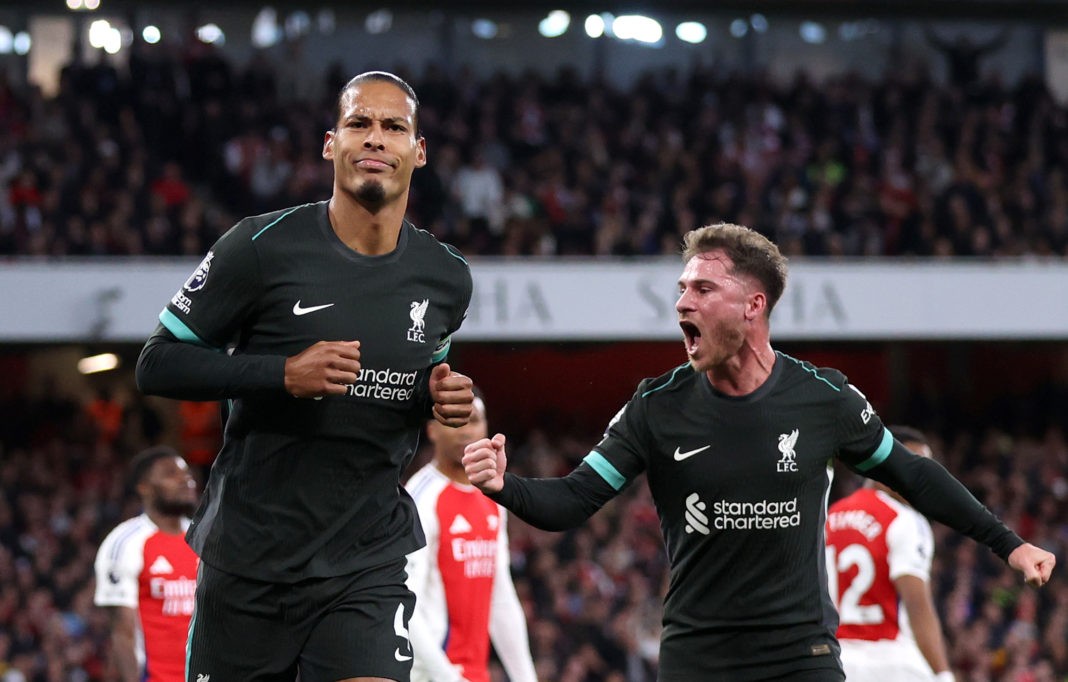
(691, 335)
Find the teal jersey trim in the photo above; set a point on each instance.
(603, 467)
(189, 639)
(455, 254)
(442, 352)
(667, 383)
(273, 223)
(880, 454)
(810, 370)
(175, 326)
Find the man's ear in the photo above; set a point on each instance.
(757, 305)
(328, 145)
(420, 152)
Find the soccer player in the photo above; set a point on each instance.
(326, 326)
(879, 553)
(146, 573)
(737, 445)
(461, 579)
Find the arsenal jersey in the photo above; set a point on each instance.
(454, 577)
(141, 567)
(871, 540)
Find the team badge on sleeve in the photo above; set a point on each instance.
(200, 275)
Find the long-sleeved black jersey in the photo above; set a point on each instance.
(741, 486)
(308, 488)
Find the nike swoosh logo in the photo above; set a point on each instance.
(297, 310)
(679, 456)
(399, 656)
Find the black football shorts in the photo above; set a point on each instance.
(328, 629)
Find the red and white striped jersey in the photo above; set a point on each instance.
(141, 567)
(871, 540)
(463, 586)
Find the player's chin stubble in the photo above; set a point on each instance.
(371, 194)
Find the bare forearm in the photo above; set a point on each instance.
(124, 658)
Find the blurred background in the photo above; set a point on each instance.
(909, 157)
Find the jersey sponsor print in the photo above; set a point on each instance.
(465, 539)
(139, 566)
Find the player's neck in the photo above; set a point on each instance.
(366, 232)
(453, 470)
(168, 523)
(744, 372)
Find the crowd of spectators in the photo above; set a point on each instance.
(162, 155)
(592, 596)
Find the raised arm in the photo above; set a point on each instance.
(548, 503)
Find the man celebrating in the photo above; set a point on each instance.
(146, 573)
(737, 446)
(326, 326)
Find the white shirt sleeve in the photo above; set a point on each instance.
(508, 623)
(118, 566)
(429, 659)
(910, 545)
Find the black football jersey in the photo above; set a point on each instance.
(741, 487)
(311, 487)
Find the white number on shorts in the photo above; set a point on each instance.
(850, 610)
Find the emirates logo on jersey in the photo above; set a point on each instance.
(177, 595)
(478, 556)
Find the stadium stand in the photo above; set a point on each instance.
(122, 163)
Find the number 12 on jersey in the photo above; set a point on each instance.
(850, 610)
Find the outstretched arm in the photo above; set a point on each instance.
(936, 494)
(547, 503)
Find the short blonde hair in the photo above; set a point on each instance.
(752, 253)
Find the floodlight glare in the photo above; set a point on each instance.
(594, 26)
(637, 27)
(265, 31)
(151, 34)
(484, 28)
(113, 41)
(739, 27)
(211, 34)
(98, 363)
(7, 42)
(813, 32)
(92, 4)
(555, 24)
(379, 21)
(98, 33)
(759, 22)
(74, 5)
(691, 32)
(22, 43)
